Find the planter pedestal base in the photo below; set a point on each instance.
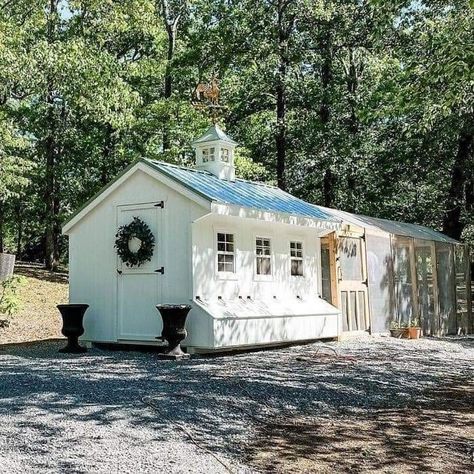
(174, 318)
(174, 355)
(73, 349)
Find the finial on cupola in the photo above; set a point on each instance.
(215, 153)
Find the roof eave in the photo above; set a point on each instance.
(300, 220)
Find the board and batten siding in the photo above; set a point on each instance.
(209, 283)
(93, 260)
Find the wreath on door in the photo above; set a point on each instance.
(135, 243)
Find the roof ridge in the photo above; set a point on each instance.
(186, 168)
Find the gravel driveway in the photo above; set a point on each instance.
(379, 405)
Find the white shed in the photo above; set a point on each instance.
(245, 255)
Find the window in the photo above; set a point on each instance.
(208, 154)
(263, 251)
(225, 253)
(225, 155)
(296, 255)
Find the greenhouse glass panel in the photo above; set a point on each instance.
(350, 258)
(424, 261)
(344, 307)
(326, 274)
(403, 281)
(446, 288)
(462, 287)
(379, 268)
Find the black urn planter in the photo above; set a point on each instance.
(72, 315)
(174, 318)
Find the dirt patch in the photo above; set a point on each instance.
(38, 317)
(432, 433)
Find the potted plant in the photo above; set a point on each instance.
(414, 329)
(398, 330)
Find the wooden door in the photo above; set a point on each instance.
(328, 269)
(425, 264)
(140, 288)
(352, 282)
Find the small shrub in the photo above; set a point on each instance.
(10, 302)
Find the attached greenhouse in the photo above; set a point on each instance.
(383, 273)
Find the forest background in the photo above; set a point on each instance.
(362, 105)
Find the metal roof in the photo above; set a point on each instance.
(392, 227)
(240, 192)
(213, 133)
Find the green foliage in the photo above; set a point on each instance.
(377, 100)
(137, 229)
(10, 302)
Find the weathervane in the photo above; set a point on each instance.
(206, 97)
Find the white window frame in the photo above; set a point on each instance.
(208, 154)
(257, 276)
(223, 275)
(299, 258)
(224, 151)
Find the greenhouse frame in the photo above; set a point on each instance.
(384, 274)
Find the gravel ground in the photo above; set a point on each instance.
(379, 405)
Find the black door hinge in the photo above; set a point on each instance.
(160, 270)
(160, 204)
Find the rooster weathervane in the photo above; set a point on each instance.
(206, 97)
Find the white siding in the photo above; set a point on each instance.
(93, 258)
(209, 284)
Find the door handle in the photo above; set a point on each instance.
(160, 270)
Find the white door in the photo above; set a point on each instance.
(140, 288)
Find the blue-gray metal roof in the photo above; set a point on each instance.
(391, 227)
(408, 230)
(240, 192)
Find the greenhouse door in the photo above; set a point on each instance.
(140, 287)
(352, 282)
(425, 258)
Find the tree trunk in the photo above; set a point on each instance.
(280, 136)
(452, 224)
(328, 187)
(171, 26)
(50, 150)
(19, 235)
(325, 47)
(1, 226)
(107, 156)
(50, 200)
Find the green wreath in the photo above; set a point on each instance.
(139, 230)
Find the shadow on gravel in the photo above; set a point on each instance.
(383, 405)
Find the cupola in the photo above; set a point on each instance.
(215, 153)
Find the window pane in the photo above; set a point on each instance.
(225, 253)
(326, 274)
(297, 268)
(263, 266)
(350, 258)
